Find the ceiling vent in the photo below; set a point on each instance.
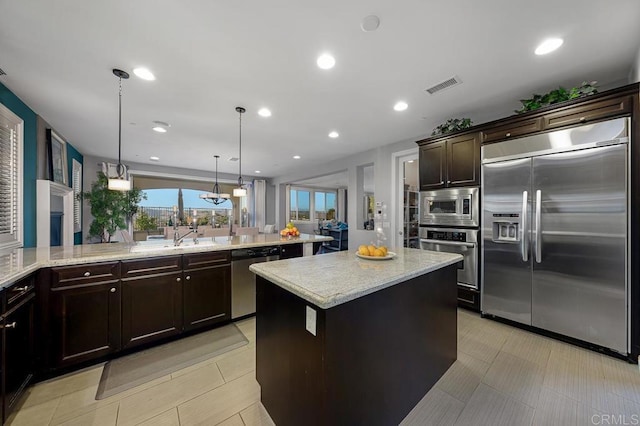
(2, 72)
(233, 159)
(453, 81)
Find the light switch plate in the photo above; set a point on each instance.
(311, 320)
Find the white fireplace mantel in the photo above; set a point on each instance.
(45, 189)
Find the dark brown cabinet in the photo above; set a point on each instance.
(511, 130)
(151, 299)
(589, 111)
(85, 312)
(288, 251)
(450, 162)
(207, 289)
(17, 357)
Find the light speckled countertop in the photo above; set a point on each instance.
(18, 263)
(332, 279)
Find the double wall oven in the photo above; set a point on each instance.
(449, 222)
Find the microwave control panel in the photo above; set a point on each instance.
(447, 236)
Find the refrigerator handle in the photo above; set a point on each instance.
(538, 227)
(524, 240)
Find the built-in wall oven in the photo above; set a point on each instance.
(449, 222)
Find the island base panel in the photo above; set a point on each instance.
(372, 359)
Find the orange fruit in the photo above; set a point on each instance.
(371, 249)
(363, 250)
(384, 249)
(378, 253)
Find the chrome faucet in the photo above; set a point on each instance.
(177, 239)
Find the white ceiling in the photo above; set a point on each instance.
(210, 56)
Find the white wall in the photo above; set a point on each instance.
(379, 157)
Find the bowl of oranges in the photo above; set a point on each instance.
(372, 252)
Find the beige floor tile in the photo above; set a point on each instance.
(437, 408)
(168, 418)
(104, 416)
(239, 365)
(256, 415)
(489, 407)
(482, 344)
(231, 354)
(220, 403)
(529, 346)
(463, 377)
(35, 415)
(153, 401)
(516, 377)
(84, 401)
(235, 420)
(556, 409)
(63, 385)
(622, 378)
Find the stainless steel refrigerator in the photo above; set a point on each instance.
(555, 226)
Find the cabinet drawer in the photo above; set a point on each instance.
(512, 130)
(19, 291)
(65, 276)
(150, 266)
(589, 112)
(201, 260)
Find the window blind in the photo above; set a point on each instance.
(10, 177)
(76, 184)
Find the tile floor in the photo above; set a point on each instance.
(503, 376)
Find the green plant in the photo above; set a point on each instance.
(558, 95)
(111, 210)
(452, 125)
(144, 222)
(220, 219)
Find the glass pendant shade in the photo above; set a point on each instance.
(118, 184)
(239, 192)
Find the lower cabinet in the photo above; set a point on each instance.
(288, 251)
(17, 323)
(151, 299)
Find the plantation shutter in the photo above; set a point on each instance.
(10, 178)
(76, 184)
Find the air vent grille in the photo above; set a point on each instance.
(2, 72)
(233, 159)
(453, 81)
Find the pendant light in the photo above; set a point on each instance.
(240, 191)
(215, 196)
(120, 182)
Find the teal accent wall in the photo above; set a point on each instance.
(19, 108)
(72, 154)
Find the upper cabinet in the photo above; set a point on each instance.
(450, 162)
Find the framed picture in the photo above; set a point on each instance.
(57, 153)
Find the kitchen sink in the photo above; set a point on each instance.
(162, 245)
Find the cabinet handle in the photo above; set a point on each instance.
(113, 290)
(10, 325)
(508, 134)
(86, 274)
(18, 289)
(178, 279)
(188, 277)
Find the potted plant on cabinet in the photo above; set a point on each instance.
(111, 210)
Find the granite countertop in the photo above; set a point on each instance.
(332, 279)
(18, 263)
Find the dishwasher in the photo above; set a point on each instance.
(243, 281)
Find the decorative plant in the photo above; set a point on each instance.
(558, 95)
(452, 125)
(144, 222)
(111, 210)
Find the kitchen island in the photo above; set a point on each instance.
(344, 340)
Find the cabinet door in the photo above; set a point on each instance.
(18, 351)
(86, 321)
(151, 308)
(207, 296)
(432, 166)
(288, 251)
(590, 111)
(463, 160)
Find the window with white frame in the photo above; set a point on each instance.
(10, 178)
(76, 184)
(308, 205)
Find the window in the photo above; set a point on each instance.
(76, 184)
(311, 205)
(10, 178)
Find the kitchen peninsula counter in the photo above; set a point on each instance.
(345, 340)
(18, 263)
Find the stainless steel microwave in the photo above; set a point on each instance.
(450, 206)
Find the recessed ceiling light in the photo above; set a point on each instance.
(296, 157)
(264, 112)
(154, 158)
(144, 74)
(160, 129)
(334, 135)
(548, 46)
(326, 61)
(410, 161)
(370, 23)
(258, 171)
(400, 106)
